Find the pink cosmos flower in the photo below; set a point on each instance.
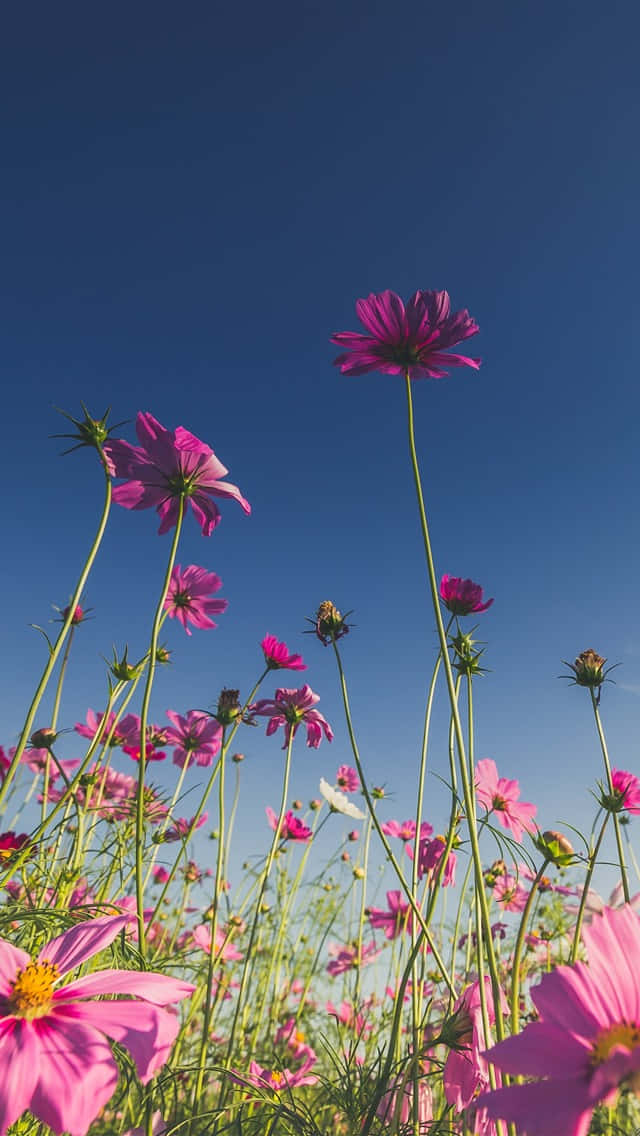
(406, 338)
(53, 1044)
(462, 597)
(406, 830)
(500, 795)
(291, 707)
(96, 722)
(545, 884)
(278, 1080)
(466, 1070)
(292, 828)
(627, 788)
(10, 843)
(277, 657)
(158, 1127)
(196, 737)
(430, 853)
(397, 919)
(347, 779)
(225, 951)
(112, 795)
(167, 464)
(509, 894)
(188, 597)
(595, 904)
(41, 761)
(354, 1019)
(160, 874)
(396, 1105)
(294, 1040)
(586, 1042)
(346, 958)
(184, 827)
(5, 762)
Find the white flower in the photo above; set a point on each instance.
(338, 802)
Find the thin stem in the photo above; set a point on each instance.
(585, 891)
(607, 766)
(517, 952)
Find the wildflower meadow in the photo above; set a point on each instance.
(359, 972)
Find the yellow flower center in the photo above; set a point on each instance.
(621, 1034)
(32, 991)
(277, 1079)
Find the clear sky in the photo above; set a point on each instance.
(193, 197)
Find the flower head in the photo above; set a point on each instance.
(500, 796)
(409, 338)
(189, 597)
(277, 657)
(196, 737)
(292, 828)
(338, 802)
(626, 792)
(396, 919)
(462, 597)
(11, 844)
(347, 779)
(329, 623)
(586, 1041)
(289, 708)
(466, 1069)
(58, 1061)
(346, 958)
(169, 465)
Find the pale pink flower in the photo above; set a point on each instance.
(292, 828)
(347, 779)
(96, 722)
(289, 708)
(196, 737)
(545, 884)
(396, 1105)
(500, 796)
(351, 1017)
(406, 830)
(278, 1080)
(225, 951)
(57, 1061)
(466, 1070)
(626, 788)
(509, 894)
(277, 657)
(189, 597)
(166, 465)
(396, 919)
(585, 1044)
(113, 795)
(409, 338)
(595, 904)
(346, 958)
(41, 761)
(289, 1035)
(158, 1127)
(462, 597)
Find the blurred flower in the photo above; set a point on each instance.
(430, 853)
(396, 1105)
(585, 1044)
(10, 843)
(406, 830)
(196, 737)
(188, 597)
(462, 597)
(277, 657)
(396, 919)
(166, 465)
(160, 875)
(347, 779)
(291, 707)
(225, 951)
(466, 1070)
(346, 958)
(626, 789)
(595, 904)
(58, 1062)
(406, 339)
(339, 803)
(278, 1080)
(292, 827)
(500, 795)
(184, 827)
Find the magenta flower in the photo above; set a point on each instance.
(347, 779)
(10, 844)
(626, 789)
(188, 598)
(196, 737)
(346, 958)
(466, 1070)
(406, 829)
(396, 919)
(53, 1039)
(585, 1044)
(291, 707)
(462, 597)
(5, 762)
(278, 1080)
(500, 795)
(225, 951)
(291, 828)
(160, 875)
(277, 657)
(430, 853)
(406, 339)
(166, 465)
(183, 827)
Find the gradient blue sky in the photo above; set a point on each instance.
(192, 199)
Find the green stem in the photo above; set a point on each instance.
(517, 952)
(144, 714)
(63, 668)
(607, 765)
(585, 891)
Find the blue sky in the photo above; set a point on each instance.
(192, 200)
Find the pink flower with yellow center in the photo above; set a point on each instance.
(189, 597)
(501, 796)
(347, 779)
(289, 708)
(409, 338)
(585, 1045)
(196, 737)
(54, 1051)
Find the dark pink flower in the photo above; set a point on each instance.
(626, 787)
(277, 657)
(292, 827)
(346, 958)
(196, 737)
(5, 762)
(462, 597)
(97, 722)
(10, 843)
(347, 779)
(430, 853)
(184, 827)
(401, 339)
(58, 1063)
(78, 614)
(291, 707)
(166, 465)
(160, 875)
(500, 796)
(188, 598)
(396, 919)
(585, 1044)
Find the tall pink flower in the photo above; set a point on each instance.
(462, 597)
(500, 796)
(509, 894)
(626, 788)
(189, 599)
(585, 1044)
(277, 657)
(430, 853)
(96, 722)
(166, 465)
(291, 707)
(401, 338)
(347, 779)
(55, 1056)
(196, 737)
(406, 829)
(292, 827)
(396, 919)
(346, 958)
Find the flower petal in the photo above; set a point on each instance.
(145, 1030)
(77, 1075)
(79, 943)
(160, 989)
(19, 1060)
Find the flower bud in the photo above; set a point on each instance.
(354, 835)
(345, 857)
(43, 738)
(228, 707)
(237, 758)
(296, 804)
(358, 872)
(315, 805)
(329, 623)
(377, 793)
(555, 847)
